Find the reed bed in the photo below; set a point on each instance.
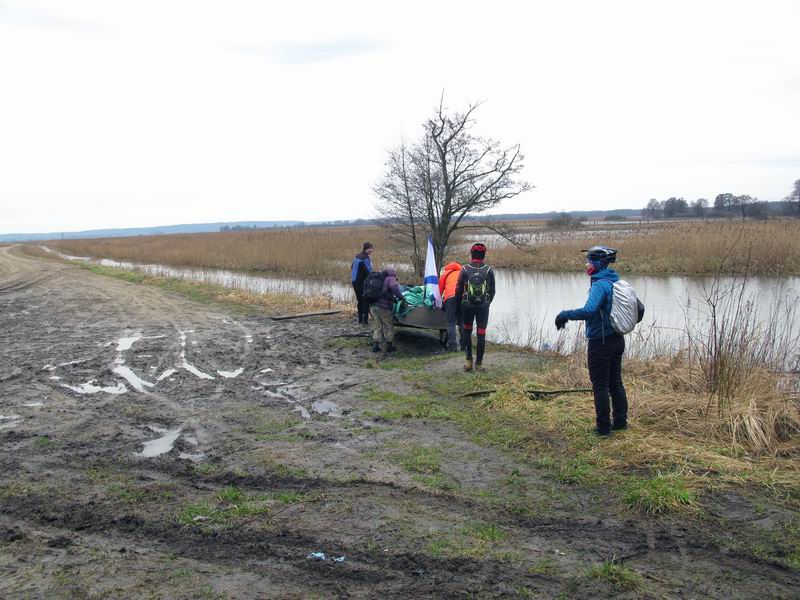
(693, 247)
(313, 252)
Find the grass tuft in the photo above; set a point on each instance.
(660, 494)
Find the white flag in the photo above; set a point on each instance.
(432, 277)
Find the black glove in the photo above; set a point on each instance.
(561, 322)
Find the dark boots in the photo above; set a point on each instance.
(376, 347)
(390, 347)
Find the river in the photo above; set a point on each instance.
(527, 301)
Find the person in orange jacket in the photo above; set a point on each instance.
(447, 287)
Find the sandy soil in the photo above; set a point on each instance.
(153, 447)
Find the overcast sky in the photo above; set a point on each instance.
(128, 114)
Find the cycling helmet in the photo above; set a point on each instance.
(477, 250)
(601, 253)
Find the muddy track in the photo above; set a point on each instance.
(123, 405)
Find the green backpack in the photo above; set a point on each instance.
(476, 288)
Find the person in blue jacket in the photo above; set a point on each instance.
(361, 267)
(605, 346)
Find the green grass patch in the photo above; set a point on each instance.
(620, 577)
(422, 460)
(43, 441)
(662, 493)
(354, 342)
(488, 532)
(227, 506)
(419, 405)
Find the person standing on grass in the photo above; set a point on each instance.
(474, 293)
(447, 288)
(382, 314)
(360, 268)
(606, 346)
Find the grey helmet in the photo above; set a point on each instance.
(601, 253)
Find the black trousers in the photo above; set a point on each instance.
(363, 307)
(605, 372)
(480, 316)
(453, 324)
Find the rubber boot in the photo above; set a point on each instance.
(468, 365)
(376, 347)
(390, 347)
(618, 425)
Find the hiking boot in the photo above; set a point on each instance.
(602, 431)
(390, 347)
(617, 425)
(376, 347)
(478, 367)
(468, 365)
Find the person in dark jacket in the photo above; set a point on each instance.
(606, 346)
(474, 299)
(360, 268)
(382, 315)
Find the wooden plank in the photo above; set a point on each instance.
(301, 315)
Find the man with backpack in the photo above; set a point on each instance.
(360, 268)
(381, 308)
(474, 293)
(611, 310)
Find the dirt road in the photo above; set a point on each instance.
(155, 447)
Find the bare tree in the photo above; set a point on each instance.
(448, 175)
(793, 200)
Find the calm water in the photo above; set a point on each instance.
(527, 302)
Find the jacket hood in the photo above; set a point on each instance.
(607, 273)
(453, 266)
(390, 272)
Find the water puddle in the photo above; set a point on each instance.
(231, 374)
(125, 343)
(166, 374)
(8, 421)
(194, 370)
(195, 457)
(161, 445)
(33, 404)
(137, 382)
(90, 388)
(186, 365)
(326, 407)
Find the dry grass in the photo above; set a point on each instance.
(692, 247)
(756, 440)
(325, 252)
(314, 252)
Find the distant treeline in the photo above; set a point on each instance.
(725, 205)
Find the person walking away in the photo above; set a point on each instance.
(606, 346)
(382, 315)
(447, 287)
(475, 291)
(360, 268)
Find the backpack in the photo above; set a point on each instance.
(476, 288)
(626, 309)
(373, 286)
